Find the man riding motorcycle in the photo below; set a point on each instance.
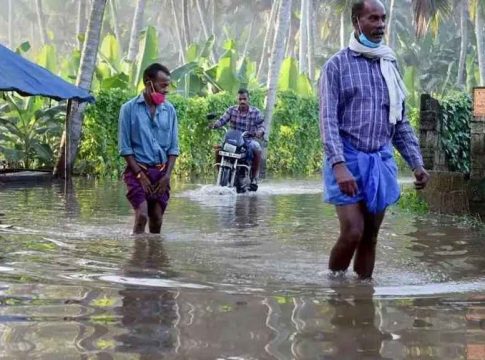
(249, 119)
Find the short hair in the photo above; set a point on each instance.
(357, 8)
(152, 70)
(243, 91)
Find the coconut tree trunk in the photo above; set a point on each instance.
(390, 38)
(267, 43)
(461, 79)
(40, 21)
(480, 45)
(277, 55)
(10, 24)
(250, 36)
(81, 23)
(289, 40)
(74, 122)
(114, 20)
(136, 27)
(311, 38)
(342, 30)
(303, 53)
(205, 28)
(177, 31)
(186, 23)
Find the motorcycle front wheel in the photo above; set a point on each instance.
(225, 176)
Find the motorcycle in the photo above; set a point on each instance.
(234, 168)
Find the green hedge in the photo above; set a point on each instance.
(294, 146)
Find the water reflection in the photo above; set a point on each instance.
(148, 315)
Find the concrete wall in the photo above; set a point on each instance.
(451, 192)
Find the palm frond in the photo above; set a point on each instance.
(425, 11)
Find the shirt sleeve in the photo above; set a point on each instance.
(124, 131)
(259, 123)
(174, 141)
(224, 119)
(406, 142)
(329, 123)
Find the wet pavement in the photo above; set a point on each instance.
(231, 277)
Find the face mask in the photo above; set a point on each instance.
(365, 41)
(157, 97)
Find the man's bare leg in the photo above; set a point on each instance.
(141, 217)
(155, 217)
(351, 218)
(365, 256)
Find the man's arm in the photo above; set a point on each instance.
(223, 120)
(172, 154)
(406, 143)
(329, 98)
(259, 125)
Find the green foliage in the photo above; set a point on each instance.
(294, 147)
(291, 79)
(98, 153)
(30, 130)
(456, 114)
(411, 201)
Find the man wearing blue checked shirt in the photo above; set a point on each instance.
(362, 116)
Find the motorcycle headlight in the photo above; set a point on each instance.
(229, 148)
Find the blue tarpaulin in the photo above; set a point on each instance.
(23, 76)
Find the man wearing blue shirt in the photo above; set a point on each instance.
(148, 140)
(361, 116)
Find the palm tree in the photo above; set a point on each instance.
(277, 55)
(311, 25)
(10, 23)
(136, 27)
(114, 20)
(426, 10)
(74, 120)
(268, 38)
(461, 78)
(477, 10)
(302, 57)
(205, 28)
(178, 32)
(40, 21)
(81, 22)
(186, 23)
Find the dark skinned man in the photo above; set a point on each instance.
(148, 140)
(361, 116)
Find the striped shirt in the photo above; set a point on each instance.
(354, 105)
(251, 121)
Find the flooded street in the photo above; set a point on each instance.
(231, 277)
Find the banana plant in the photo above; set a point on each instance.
(291, 79)
(30, 129)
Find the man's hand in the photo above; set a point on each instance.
(212, 126)
(345, 180)
(162, 185)
(422, 178)
(145, 183)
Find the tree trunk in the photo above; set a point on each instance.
(267, 43)
(342, 30)
(289, 41)
(311, 39)
(136, 27)
(205, 28)
(277, 55)
(250, 36)
(186, 23)
(10, 24)
(81, 23)
(40, 21)
(114, 19)
(480, 45)
(303, 53)
(72, 134)
(461, 79)
(177, 31)
(390, 38)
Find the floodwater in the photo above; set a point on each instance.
(231, 277)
